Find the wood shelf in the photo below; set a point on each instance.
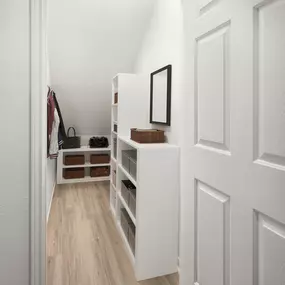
(128, 174)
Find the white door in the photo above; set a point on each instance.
(233, 174)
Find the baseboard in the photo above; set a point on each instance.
(49, 208)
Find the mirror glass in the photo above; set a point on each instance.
(160, 97)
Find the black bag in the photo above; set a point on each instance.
(72, 142)
(98, 142)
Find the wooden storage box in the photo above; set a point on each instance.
(100, 171)
(99, 158)
(74, 160)
(147, 136)
(73, 173)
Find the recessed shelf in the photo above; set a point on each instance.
(115, 122)
(114, 159)
(85, 165)
(115, 105)
(132, 257)
(128, 175)
(115, 133)
(127, 208)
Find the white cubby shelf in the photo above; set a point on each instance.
(87, 152)
(156, 181)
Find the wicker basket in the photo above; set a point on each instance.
(147, 136)
(74, 160)
(101, 171)
(99, 158)
(73, 173)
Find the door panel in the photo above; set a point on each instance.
(233, 154)
(269, 251)
(270, 83)
(212, 235)
(212, 94)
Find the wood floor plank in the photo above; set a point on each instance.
(83, 244)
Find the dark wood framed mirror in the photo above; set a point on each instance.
(160, 96)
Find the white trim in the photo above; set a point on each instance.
(49, 208)
(38, 142)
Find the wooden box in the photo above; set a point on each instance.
(74, 160)
(100, 171)
(73, 173)
(99, 158)
(147, 136)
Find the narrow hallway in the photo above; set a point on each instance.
(83, 244)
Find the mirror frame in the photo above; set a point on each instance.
(168, 103)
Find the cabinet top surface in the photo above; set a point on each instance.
(136, 145)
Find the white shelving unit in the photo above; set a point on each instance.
(87, 151)
(156, 217)
(130, 111)
(157, 183)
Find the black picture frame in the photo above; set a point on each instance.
(168, 98)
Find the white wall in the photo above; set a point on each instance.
(15, 142)
(89, 42)
(163, 45)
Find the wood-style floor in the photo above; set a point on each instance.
(83, 244)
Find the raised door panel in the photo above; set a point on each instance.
(212, 236)
(206, 5)
(212, 90)
(270, 251)
(270, 82)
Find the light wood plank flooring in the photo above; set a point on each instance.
(83, 245)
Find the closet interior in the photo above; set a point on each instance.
(143, 178)
(117, 178)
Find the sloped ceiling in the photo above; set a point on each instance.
(89, 41)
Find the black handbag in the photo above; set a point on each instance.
(98, 142)
(72, 142)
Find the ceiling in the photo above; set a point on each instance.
(89, 41)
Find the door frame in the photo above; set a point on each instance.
(38, 142)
